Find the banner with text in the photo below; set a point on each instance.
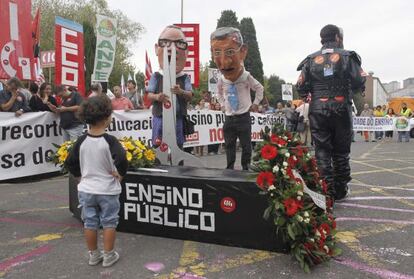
(27, 140)
(106, 29)
(69, 55)
(381, 124)
(16, 47)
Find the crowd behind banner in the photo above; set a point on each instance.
(27, 137)
(28, 140)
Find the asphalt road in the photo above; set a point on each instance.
(39, 238)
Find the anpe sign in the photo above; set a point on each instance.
(106, 28)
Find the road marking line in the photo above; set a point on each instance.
(360, 183)
(375, 207)
(381, 191)
(7, 264)
(41, 223)
(377, 229)
(383, 273)
(384, 169)
(240, 260)
(375, 187)
(352, 242)
(36, 210)
(374, 220)
(363, 156)
(189, 254)
(380, 170)
(379, 198)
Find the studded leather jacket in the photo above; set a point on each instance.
(331, 73)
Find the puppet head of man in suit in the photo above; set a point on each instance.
(228, 52)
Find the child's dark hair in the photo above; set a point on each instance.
(95, 109)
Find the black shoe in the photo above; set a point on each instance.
(343, 197)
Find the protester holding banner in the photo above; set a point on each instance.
(183, 88)
(332, 75)
(133, 95)
(367, 112)
(72, 127)
(378, 113)
(41, 100)
(233, 92)
(121, 102)
(390, 113)
(407, 113)
(12, 100)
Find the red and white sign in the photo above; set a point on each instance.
(47, 59)
(228, 204)
(16, 52)
(192, 66)
(69, 57)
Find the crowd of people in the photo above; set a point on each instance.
(330, 120)
(384, 111)
(65, 100)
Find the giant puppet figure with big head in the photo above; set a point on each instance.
(170, 89)
(233, 92)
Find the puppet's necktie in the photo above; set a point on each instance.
(233, 97)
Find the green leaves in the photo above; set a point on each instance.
(300, 230)
(267, 212)
(290, 232)
(336, 251)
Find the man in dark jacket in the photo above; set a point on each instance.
(331, 76)
(12, 100)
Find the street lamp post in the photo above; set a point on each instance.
(182, 10)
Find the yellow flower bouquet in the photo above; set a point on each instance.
(62, 152)
(138, 154)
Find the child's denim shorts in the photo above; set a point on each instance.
(99, 210)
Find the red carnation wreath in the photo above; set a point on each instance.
(288, 175)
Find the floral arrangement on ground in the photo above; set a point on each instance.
(286, 174)
(137, 153)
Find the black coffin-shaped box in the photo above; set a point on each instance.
(206, 205)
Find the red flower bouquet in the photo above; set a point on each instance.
(286, 174)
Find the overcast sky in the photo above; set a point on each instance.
(382, 31)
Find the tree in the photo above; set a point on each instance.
(203, 86)
(253, 62)
(228, 18)
(89, 47)
(85, 11)
(274, 89)
(140, 79)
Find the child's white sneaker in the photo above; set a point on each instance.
(109, 258)
(95, 257)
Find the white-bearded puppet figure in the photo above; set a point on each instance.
(172, 37)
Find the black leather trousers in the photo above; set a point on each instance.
(331, 128)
